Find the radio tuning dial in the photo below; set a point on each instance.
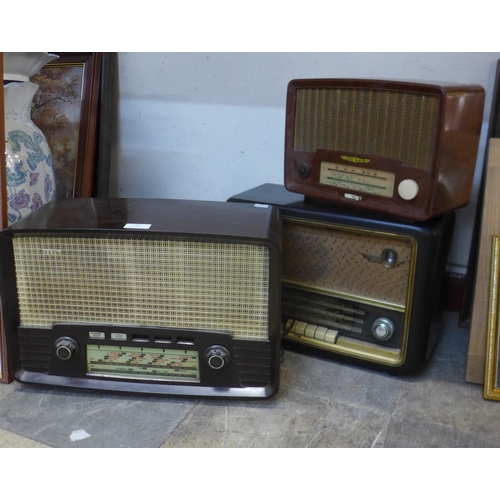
(383, 329)
(408, 189)
(66, 348)
(217, 357)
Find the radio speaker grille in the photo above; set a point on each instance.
(339, 261)
(146, 282)
(391, 124)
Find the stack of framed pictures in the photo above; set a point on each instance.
(487, 225)
(483, 359)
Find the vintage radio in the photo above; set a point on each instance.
(149, 296)
(357, 288)
(406, 149)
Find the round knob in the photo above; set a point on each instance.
(389, 258)
(66, 348)
(217, 357)
(383, 329)
(408, 189)
(304, 170)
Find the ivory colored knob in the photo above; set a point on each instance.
(408, 189)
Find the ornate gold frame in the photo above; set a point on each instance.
(492, 372)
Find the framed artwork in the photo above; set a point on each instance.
(4, 375)
(474, 313)
(492, 372)
(66, 109)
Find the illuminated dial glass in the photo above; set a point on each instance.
(143, 362)
(360, 179)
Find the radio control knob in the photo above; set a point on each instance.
(408, 189)
(383, 329)
(66, 348)
(217, 357)
(389, 258)
(304, 170)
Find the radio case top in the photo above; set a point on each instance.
(402, 148)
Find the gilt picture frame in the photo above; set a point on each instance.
(66, 109)
(492, 372)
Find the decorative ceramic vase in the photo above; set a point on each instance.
(30, 172)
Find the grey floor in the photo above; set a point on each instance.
(321, 403)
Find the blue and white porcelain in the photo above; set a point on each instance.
(30, 171)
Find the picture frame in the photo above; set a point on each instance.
(4, 372)
(66, 109)
(492, 371)
(474, 314)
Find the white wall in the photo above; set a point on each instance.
(209, 125)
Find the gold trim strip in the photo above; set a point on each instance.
(354, 349)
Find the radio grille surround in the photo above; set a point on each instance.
(392, 124)
(153, 281)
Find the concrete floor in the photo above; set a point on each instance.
(321, 403)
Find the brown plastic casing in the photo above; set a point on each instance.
(370, 129)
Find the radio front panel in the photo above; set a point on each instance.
(344, 326)
(183, 300)
(358, 288)
(108, 355)
(347, 287)
(401, 148)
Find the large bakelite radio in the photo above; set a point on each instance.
(151, 296)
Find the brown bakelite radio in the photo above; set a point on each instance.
(170, 297)
(406, 149)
